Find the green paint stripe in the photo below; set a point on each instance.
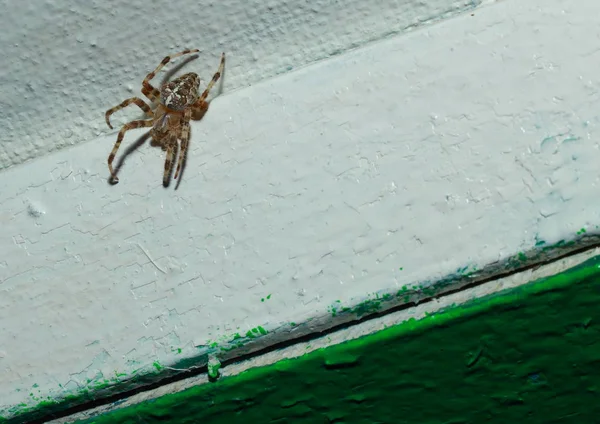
(531, 354)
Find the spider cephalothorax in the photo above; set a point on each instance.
(180, 93)
(179, 102)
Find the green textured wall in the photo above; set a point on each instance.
(530, 355)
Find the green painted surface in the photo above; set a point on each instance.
(531, 355)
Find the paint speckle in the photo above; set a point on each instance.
(473, 357)
(537, 379)
(213, 367)
(342, 359)
(34, 209)
(254, 332)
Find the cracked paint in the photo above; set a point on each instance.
(292, 204)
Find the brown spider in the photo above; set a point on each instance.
(178, 103)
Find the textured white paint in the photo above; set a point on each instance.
(64, 62)
(457, 145)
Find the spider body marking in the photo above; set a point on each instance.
(178, 103)
(180, 93)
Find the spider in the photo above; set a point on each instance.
(170, 120)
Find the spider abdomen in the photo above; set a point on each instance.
(180, 93)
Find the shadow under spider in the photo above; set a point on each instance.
(170, 73)
(129, 150)
(140, 141)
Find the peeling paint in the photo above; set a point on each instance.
(228, 343)
(311, 225)
(511, 360)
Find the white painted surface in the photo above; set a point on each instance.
(454, 146)
(65, 62)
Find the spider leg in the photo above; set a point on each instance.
(215, 78)
(199, 109)
(126, 127)
(135, 100)
(171, 145)
(147, 89)
(185, 138)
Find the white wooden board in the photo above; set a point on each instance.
(446, 149)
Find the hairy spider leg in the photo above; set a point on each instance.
(215, 78)
(185, 138)
(147, 89)
(126, 127)
(171, 150)
(135, 100)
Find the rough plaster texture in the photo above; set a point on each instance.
(64, 62)
(453, 146)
